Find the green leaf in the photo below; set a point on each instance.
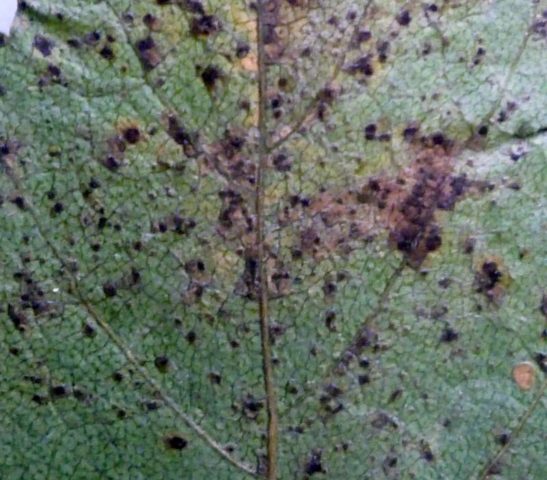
(217, 216)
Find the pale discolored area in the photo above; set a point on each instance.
(404, 235)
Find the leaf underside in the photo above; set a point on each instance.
(404, 239)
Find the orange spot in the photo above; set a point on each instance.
(524, 375)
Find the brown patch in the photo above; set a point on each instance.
(524, 375)
(405, 206)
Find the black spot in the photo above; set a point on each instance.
(490, 275)
(111, 163)
(395, 395)
(117, 377)
(361, 65)
(449, 335)
(18, 318)
(215, 378)
(121, 414)
(191, 337)
(162, 363)
(425, 452)
(370, 131)
(363, 379)
(92, 38)
(432, 7)
(313, 464)
(148, 53)
(59, 391)
(89, 330)
(20, 202)
(503, 438)
(43, 45)
(433, 240)
(205, 25)
(541, 360)
(131, 135)
(389, 462)
(58, 207)
(483, 130)
(404, 18)
(438, 139)
(242, 50)
(210, 75)
(110, 289)
(107, 53)
(176, 442)
(39, 399)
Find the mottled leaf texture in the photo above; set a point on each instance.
(281, 239)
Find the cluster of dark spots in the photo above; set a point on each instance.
(210, 75)
(175, 442)
(250, 406)
(479, 55)
(313, 464)
(506, 112)
(19, 319)
(162, 363)
(325, 97)
(282, 162)
(177, 131)
(148, 53)
(449, 335)
(361, 36)
(371, 133)
(329, 399)
(382, 48)
(175, 223)
(35, 379)
(539, 26)
(404, 18)
(204, 25)
(43, 44)
(362, 65)
(488, 280)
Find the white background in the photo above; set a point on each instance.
(7, 14)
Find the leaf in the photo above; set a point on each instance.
(305, 229)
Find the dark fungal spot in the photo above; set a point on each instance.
(111, 163)
(43, 44)
(204, 25)
(362, 65)
(469, 245)
(121, 413)
(92, 38)
(449, 335)
(162, 363)
(20, 202)
(489, 275)
(58, 207)
(382, 47)
(117, 377)
(59, 391)
(18, 318)
(215, 378)
(543, 305)
(404, 18)
(483, 130)
(370, 131)
(148, 53)
(175, 442)
(395, 395)
(210, 75)
(313, 464)
(39, 399)
(191, 337)
(363, 379)
(88, 330)
(107, 53)
(109, 289)
(503, 438)
(541, 360)
(425, 452)
(282, 162)
(242, 50)
(389, 462)
(132, 135)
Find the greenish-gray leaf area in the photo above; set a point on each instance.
(402, 215)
